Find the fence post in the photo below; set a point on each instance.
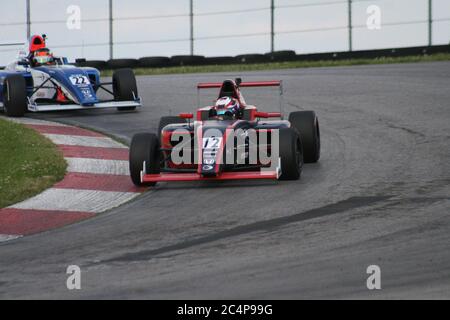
(28, 20)
(111, 38)
(430, 23)
(272, 25)
(191, 19)
(350, 28)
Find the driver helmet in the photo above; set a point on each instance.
(43, 57)
(227, 107)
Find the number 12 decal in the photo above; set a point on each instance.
(211, 142)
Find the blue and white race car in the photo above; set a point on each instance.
(37, 81)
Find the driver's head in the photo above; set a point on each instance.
(43, 57)
(227, 108)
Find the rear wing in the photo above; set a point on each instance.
(250, 84)
(215, 85)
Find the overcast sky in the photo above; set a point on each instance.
(136, 35)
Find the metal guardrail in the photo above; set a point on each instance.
(271, 7)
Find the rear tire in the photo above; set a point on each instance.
(144, 147)
(15, 96)
(164, 121)
(291, 154)
(124, 87)
(307, 125)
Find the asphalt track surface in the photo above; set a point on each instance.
(380, 195)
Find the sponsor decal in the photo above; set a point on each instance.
(208, 161)
(87, 93)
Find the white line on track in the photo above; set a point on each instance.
(7, 237)
(102, 142)
(73, 199)
(98, 166)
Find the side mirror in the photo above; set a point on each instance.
(186, 115)
(238, 81)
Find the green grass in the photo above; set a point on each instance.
(29, 163)
(286, 65)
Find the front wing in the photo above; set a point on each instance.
(244, 175)
(66, 107)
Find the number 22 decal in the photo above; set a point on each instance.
(79, 80)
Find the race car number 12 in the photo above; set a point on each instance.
(211, 142)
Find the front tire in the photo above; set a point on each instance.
(291, 154)
(124, 87)
(144, 147)
(307, 124)
(15, 96)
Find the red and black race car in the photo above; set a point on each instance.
(228, 140)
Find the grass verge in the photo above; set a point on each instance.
(29, 163)
(285, 65)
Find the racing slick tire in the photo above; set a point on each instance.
(15, 96)
(124, 87)
(144, 147)
(291, 154)
(164, 121)
(307, 125)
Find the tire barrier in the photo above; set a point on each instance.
(154, 62)
(186, 60)
(279, 56)
(373, 54)
(122, 63)
(220, 60)
(98, 64)
(276, 56)
(252, 58)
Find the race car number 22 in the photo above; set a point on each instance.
(79, 80)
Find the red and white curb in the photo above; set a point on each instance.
(97, 180)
